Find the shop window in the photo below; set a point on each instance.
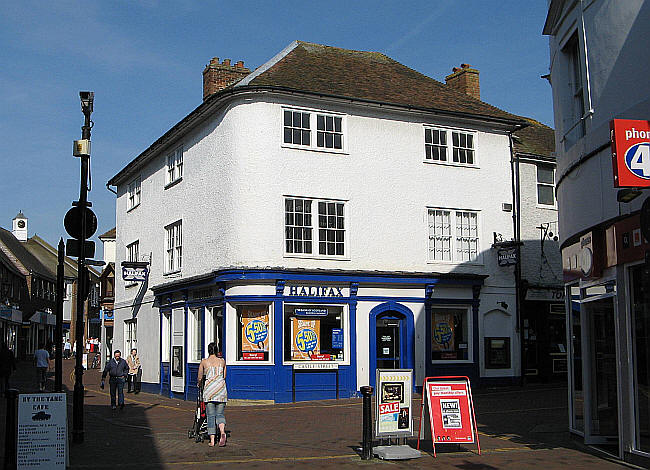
(313, 333)
(166, 336)
(213, 325)
(254, 328)
(194, 337)
(641, 356)
(450, 339)
(130, 336)
(497, 353)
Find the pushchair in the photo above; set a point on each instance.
(199, 430)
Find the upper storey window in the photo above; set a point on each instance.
(134, 193)
(304, 237)
(174, 166)
(545, 185)
(449, 146)
(298, 126)
(574, 104)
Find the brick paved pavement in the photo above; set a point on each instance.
(520, 429)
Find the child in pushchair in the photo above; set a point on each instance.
(199, 430)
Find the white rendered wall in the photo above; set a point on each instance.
(109, 250)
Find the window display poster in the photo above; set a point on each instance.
(255, 332)
(337, 338)
(393, 403)
(42, 431)
(306, 339)
(450, 411)
(442, 334)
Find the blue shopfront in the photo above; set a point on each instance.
(299, 335)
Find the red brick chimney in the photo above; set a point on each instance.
(218, 76)
(465, 80)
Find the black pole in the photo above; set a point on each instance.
(366, 453)
(60, 293)
(78, 396)
(11, 430)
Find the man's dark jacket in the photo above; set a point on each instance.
(115, 368)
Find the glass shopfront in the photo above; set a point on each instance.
(640, 309)
(313, 333)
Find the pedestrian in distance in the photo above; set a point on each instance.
(215, 394)
(7, 366)
(117, 369)
(135, 372)
(67, 348)
(42, 360)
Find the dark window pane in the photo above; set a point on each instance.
(307, 219)
(463, 140)
(288, 233)
(322, 235)
(329, 141)
(305, 120)
(339, 249)
(329, 123)
(545, 195)
(305, 138)
(454, 139)
(331, 208)
(296, 119)
(443, 138)
(287, 118)
(307, 234)
(289, 219)
(427, 136)
(297, 246)
(470, 141)
(322, 248)
(320, 139)
(307, 247)
(322, 221)
(289, 246)
(427, 152)
(340, 235)
(339, 223)
(299, 203)
(337, 124)
(330, 235)
(322, 208)
(288, 204)
(434, 153)
(307, 206)
(339, 209)
(544, 175)
(456, 155)
(470, 157)
(330, 249)
(299, 219)
(338, 144)
(462, 156)
(287, 135)
(331, 221)
(296, 136)
(443, 154)
(320, 123)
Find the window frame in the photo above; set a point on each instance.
(315, 229)
(194, 340)
(134, 191)
(573, 126)
(233, 312)
(552, 185)
(174, 166)
(177, 249)
(450, 146)
(470, 334)
(313, 129)
(478, 261)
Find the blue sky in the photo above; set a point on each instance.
(143, 59)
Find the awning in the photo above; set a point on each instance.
(43, 318)
(12, 315)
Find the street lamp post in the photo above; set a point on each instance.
(87, 98)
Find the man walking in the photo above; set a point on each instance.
(134, 372)
(117, 369)
(67, 348)
(42, 359)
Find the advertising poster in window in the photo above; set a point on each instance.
(450, 412)
(442, 335)
(393, 416)
(306, 340)
(255, 333)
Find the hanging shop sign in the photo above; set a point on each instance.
(630, 153)
(42, 431)
(451, 411)
(393, 416)
(134, 274)
(255, 333)
(507, 256)
(316, 291)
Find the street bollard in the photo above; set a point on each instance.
(11, 430)
(366, 453)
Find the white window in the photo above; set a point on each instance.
(297, 126)
(300, 235)
(133, 251)
(545, 185)
(453, 235)
(174, 166)
(440, 144)
(134, 193)
(130, 336)
(174, 250)
(194, 339)
(574, 125)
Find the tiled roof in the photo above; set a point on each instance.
(109, 234)
(23, 255)
(536, 139)
(47, 255)
(368, 76)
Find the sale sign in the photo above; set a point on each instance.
(306, 339)
(255, 333)
(630, 141)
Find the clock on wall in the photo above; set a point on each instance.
(21, 224)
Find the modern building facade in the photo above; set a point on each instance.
(331, 213)
(599, 61)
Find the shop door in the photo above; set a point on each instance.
(603, 393)
(389, 342)
(177, 365)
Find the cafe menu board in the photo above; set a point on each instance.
(42, 431)
(255, 333)
(393, 416)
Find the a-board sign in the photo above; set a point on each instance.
(42, 431)
(630, 153)
(450, 410)
(393, 416)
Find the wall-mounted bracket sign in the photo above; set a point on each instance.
(630, 141)
(133, 271)
(507, 256)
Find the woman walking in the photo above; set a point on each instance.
(215, 395)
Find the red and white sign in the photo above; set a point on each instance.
(388, 408)
(451, 411)
(252, 356)
(630, 153)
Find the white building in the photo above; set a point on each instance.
(599, 64)
(333, 206)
